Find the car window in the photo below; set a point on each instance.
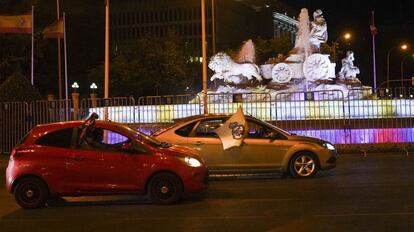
(103, 139)
(206, 127)
(60, 138)
(258, 131)
(185, 130)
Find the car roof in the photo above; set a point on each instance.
(203, 116)
(68, 124)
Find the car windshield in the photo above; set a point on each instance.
(277, 128)
(143, 137)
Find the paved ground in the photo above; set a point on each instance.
(373, 193)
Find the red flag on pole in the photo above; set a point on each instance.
(372, 26)
(16, 23)
(54, 30)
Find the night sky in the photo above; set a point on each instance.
(395, 23)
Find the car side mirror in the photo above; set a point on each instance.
(134, 148)
(273, 136)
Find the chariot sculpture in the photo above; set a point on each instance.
(305, 60)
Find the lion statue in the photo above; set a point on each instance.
(230, 71)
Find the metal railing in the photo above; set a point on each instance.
(359, 116)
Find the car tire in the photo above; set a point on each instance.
(303, 165)
(31, 193)
(165, 188)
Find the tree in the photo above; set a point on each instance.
(18, 88)
(151, 66)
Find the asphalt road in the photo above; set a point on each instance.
(373, 193)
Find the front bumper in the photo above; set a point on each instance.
(327, 159)
(197, 180)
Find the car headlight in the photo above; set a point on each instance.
(192, 162)
(329, 146)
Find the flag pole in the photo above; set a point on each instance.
(32, 58)
(106, 87)
(374, 68)
(66, 66)
(59, 55)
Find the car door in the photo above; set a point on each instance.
(122, 162)
(83, 167)
(263, 147)
(208, 144)
(103, 166)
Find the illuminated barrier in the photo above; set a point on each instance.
(362, 136)
(268, 111)
(400, 108)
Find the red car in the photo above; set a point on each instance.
(100, 158)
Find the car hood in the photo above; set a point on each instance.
(306, 139)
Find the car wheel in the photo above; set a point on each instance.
(165, 188)
(31, 193)
(303, 165)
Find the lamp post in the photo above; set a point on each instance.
(75, 99)
(345, 36)
(204, 54)
(93, 94)
(402, 69)
(402, 47)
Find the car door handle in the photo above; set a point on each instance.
(78, 158)
(198, 143)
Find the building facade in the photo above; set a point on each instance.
(235, 21)
(285, 26)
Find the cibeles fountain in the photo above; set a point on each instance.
(300, 91)
(304, 69)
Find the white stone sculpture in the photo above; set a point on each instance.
(230, 71)
(303, 69)
(304, 60)
(319, 30)
(348, 70)
(318, 67)
(282, 73)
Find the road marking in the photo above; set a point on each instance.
(32, 220)
(193, 218)
(364, 214)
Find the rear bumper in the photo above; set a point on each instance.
(9, 177)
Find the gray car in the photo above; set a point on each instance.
(266, 149)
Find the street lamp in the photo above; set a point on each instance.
(75, 87)
(402, 69)
(402, 47)
(345, 36)
(93, 87)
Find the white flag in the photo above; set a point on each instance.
(233, 131)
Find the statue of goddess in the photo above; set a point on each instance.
(319, 30)
(348, 70)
